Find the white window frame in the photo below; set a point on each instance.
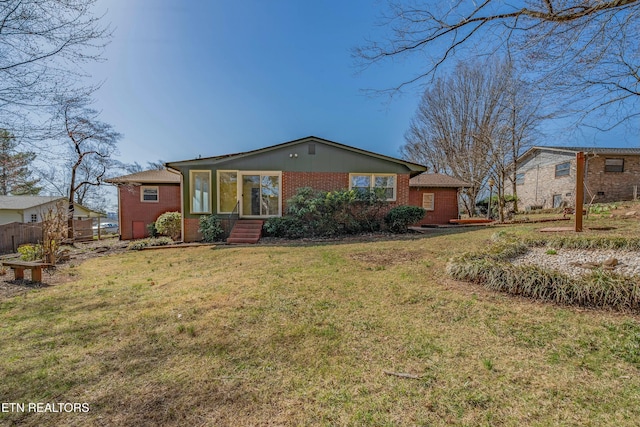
(238, 190)
(242, 173)
(192, 190)
(520, 178)
(34, 218)
(372, 182)
(149, 187)
(565, 171)
(429, 206)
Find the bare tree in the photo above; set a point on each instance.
(473, 125)
(90, 145)
(590, 49)
(42, 44)
(455, 125)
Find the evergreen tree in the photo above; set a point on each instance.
(15, 176)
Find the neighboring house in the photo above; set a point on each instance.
(438, 194)
(257, 184)
(546, 176)
(143, 197)
(33, 208)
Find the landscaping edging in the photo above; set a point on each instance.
(495, 270)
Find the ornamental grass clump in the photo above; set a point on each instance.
(590, 242)
(495, 271)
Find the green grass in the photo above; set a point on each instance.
(302, 335)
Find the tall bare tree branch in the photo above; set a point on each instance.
(588, 50)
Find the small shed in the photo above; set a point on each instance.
(438, 194)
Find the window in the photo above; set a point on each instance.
(34, 217)
(148, 194)
(200, 184)
(614, 165)
(227, 191)
(557, 201)
(519, 179)
(385, 183)
(428, 201)
(563, 169)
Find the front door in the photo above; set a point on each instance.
(260, 195)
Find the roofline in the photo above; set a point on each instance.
(413, 167)
(57, 199)
(117, 181)
(599, 150)
(466, 185)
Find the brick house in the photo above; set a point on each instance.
(438, 194)
(546, 176)
(143, 197)
(255, 185)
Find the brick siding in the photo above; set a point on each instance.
(332, 181)
(132, 209)
(191, 226)
(541, 184)
(445, 204)
(616, 186)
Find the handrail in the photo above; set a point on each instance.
(234, 216)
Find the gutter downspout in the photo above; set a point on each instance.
(169, 168)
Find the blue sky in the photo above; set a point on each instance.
(208, 77)
(192, 78)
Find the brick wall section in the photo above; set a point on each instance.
(616, 186)
(541, 183)
(332, 181)
(191, 226)
(132, 209)
(445, 204)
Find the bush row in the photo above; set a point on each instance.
(492, 269)
(313, 213)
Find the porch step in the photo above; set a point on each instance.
(246, 231)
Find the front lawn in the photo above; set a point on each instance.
(311, 335)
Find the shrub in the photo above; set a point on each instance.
(210, 228)
(151, 228)
(138, 245)
(328, 213)
(170, 224)
(286, 226)
(31, 252)
(400, 217)
(160, 241)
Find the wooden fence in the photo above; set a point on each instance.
(14, 234)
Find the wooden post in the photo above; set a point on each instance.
(579, 190)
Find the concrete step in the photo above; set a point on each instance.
(246, 231)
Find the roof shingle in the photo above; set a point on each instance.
(436, 180)
(155, 176)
